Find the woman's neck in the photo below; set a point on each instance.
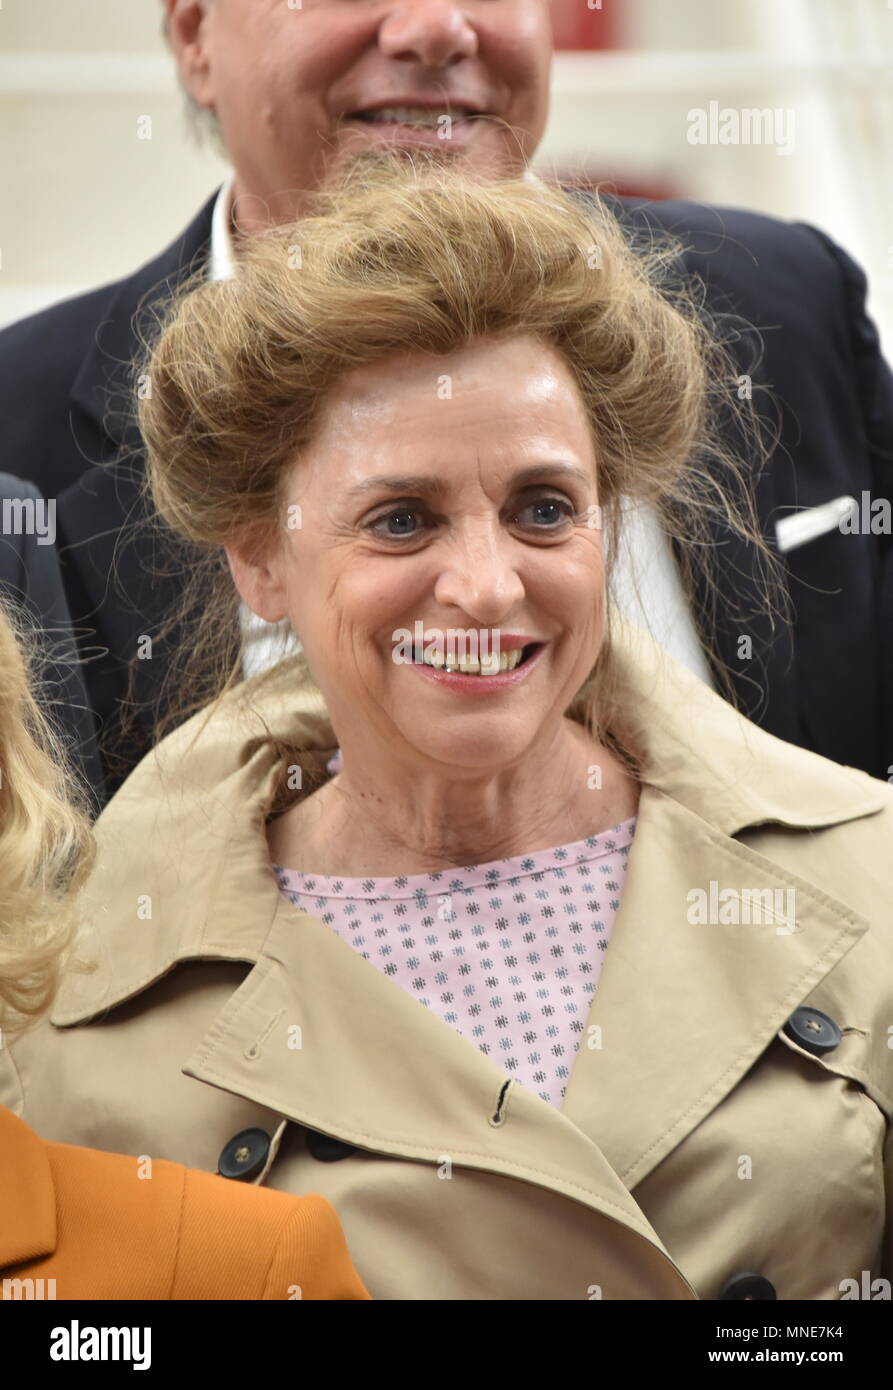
(357, 827)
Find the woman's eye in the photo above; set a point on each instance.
(549, 513)
(395, 524)
(403, 522)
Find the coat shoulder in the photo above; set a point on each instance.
(39, 360)
(750, 262)
(298, 1249)
(53, 339)
(199, 756)
(44, 355)
(848, 865)
(196, 795)
(861, 856)
(709, 229)
(189, 1235)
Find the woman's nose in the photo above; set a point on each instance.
(482, 580)
(432, 32)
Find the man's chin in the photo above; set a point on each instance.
(480, 156)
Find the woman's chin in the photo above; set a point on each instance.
(481, 754)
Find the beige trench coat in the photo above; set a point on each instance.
(698, 1141)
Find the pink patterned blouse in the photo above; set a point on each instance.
(508, 953)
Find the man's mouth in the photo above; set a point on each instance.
(420, 117)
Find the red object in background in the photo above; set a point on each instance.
(576, 26)
(586, 180)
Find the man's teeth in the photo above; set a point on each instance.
(406, 115)
(492, 665)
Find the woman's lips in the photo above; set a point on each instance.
(480, 685)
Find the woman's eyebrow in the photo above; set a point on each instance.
(437, 485)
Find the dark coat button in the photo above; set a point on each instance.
(750, 1286)
(326, 1148)
(813, 1030)
(245, 1155)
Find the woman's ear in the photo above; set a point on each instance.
(258, 582)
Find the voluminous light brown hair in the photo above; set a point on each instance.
(405, 256)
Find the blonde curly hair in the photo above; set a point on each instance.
(46, 840)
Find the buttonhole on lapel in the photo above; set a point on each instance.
(255, 1047)
(499, 1117)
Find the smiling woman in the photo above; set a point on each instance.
(419, 317)
(457, 988)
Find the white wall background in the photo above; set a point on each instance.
(84, 200)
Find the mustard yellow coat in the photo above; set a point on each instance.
(79, 1224)
(703, 1139)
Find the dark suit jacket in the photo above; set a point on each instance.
(825, 683)
(31, 585)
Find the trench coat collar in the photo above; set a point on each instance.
(183, 873)
(27, 1194)
(182, 851)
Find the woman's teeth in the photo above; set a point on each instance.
(493, 665)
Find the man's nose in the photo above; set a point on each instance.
(433, 32)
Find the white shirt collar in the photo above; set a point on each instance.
(222, 259)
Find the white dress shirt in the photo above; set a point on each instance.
(645, 583)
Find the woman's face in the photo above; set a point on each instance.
(458, 492)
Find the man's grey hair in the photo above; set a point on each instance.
(201, 123)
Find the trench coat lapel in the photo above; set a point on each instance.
(682, 1011)
(373, 1067)
(684, 1008)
